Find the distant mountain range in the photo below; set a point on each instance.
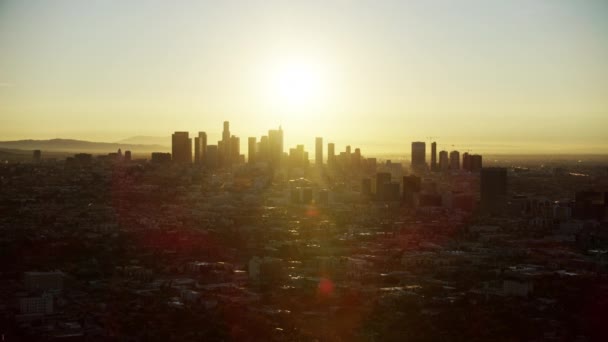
(147, 140)
(70, 145)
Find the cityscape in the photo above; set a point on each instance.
(304, 170)
(207, 243)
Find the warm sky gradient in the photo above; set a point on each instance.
(481, 75)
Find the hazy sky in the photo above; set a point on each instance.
(478, 75)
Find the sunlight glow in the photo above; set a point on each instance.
(297, 84)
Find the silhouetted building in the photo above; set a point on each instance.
(411, 187)
(128, 155)
(418, 155)
(275, 141)
(225, 147)
(356, 159)
(390, 192)
(37, 156)
(235, 148)
(319, 151)
(181, 148)
(454, 160)
(263, 149)
(493, 190)
(160, 157)
(382, 178)
(466, 161)
(331, 155)
(213, 157)
(476, 163)
(298, 158)
(200, 147)
(251, 144)
(433, 156)
(444, 163)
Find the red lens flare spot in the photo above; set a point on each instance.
(312, 212)
(326, 286)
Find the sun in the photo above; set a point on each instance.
(297, 85)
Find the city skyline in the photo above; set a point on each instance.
(531, 80)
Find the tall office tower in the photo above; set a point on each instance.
(275, 142)
(251, 144)
(264, 149)
(454, 160)
(466, 161)
(411, 185)
(181, 148)
(493, 190)
(348, 156)
(235, 148)
(444, 163)
(356, 158)
(433, 156)
(331, 155)
(37, 156)
(319, 151)
(128, 155)
(226, 149)
(200, 147)
(476, 163)
(212, 158)
(418, 155)
(197, 150)
(382, 178)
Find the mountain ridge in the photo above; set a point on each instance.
(74, 145)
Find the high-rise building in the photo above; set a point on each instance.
(331, 155)
(356, 159)
(264, 149)
(197, 150)
(251, 144)
(493, 190)
(225, 148)
(412, 183)
(433, 156)
(444, 163)
(466, 161)
(275, 142)
(181, 148)
(454, 160)
(212, 156)
(319, 151)
(418, 155)
(200, 146)
(235, 148)
(476, 163)
(411, 186)
(128, 155)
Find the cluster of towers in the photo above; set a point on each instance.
(269, 149)
(451, 161)
(226, 152)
